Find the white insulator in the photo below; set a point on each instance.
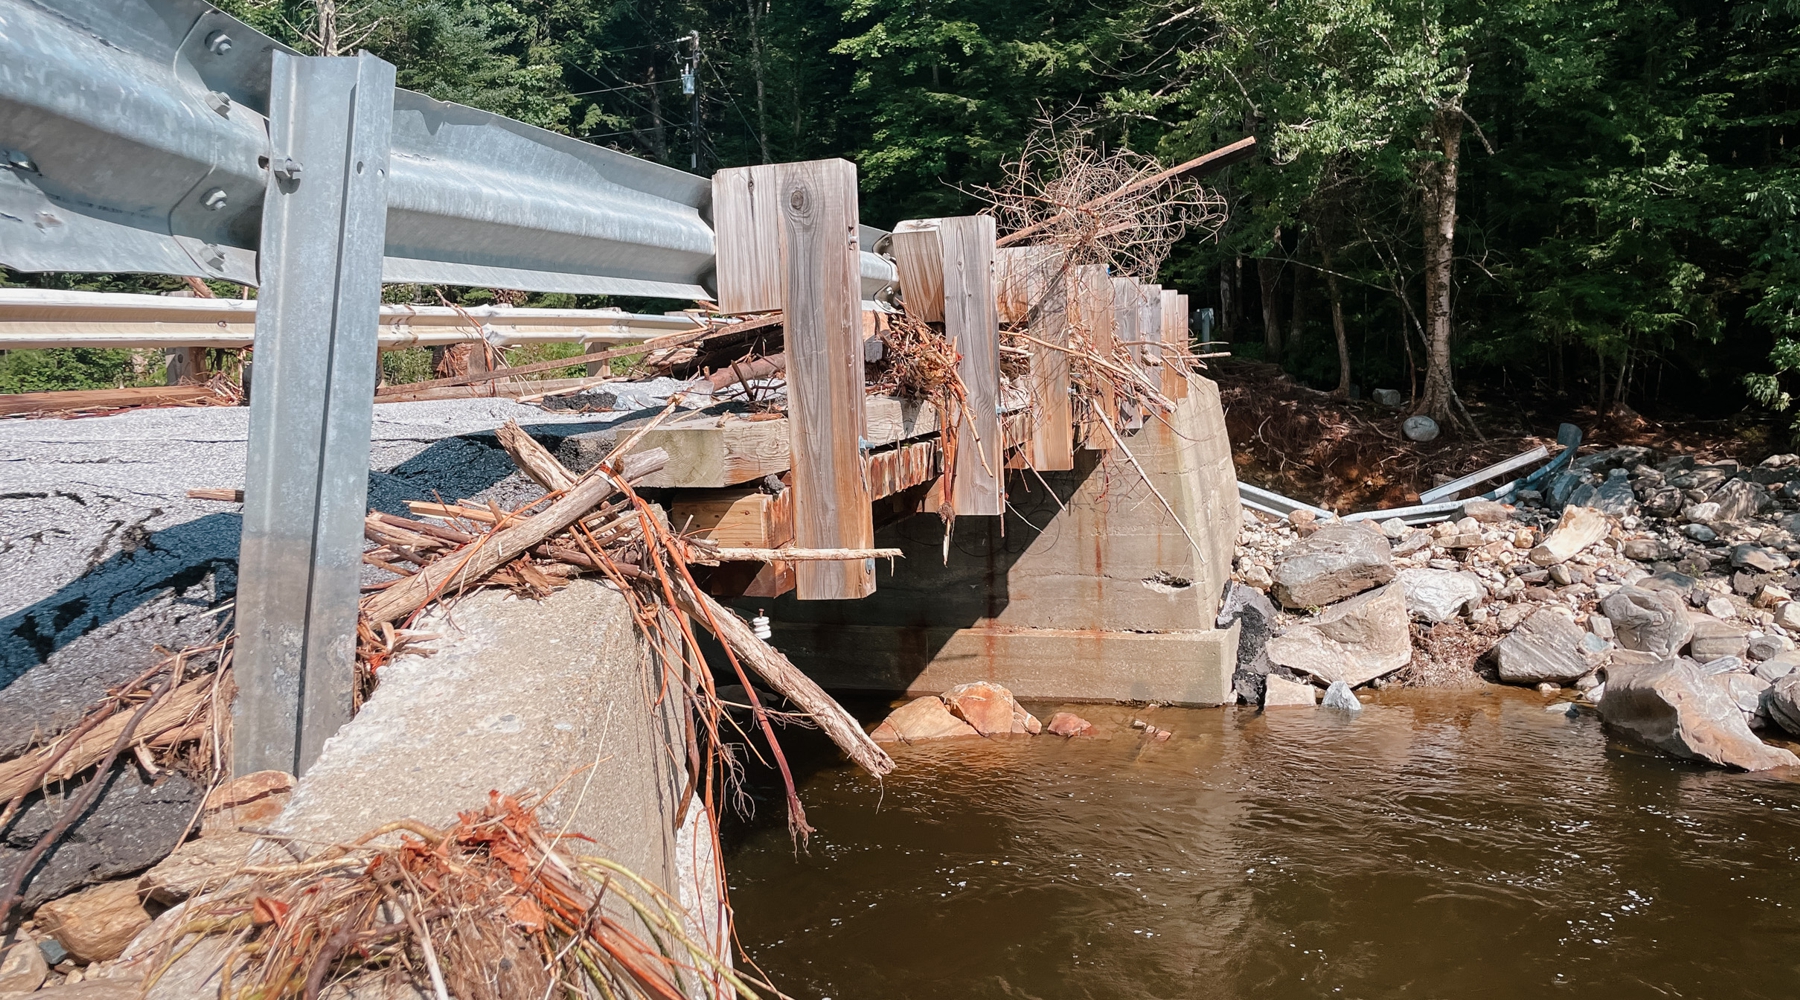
(759, 626)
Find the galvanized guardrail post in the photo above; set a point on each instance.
(306, 484)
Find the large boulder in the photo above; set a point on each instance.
(1782, 703)
(1337, 561)
(1674, 707)
(990, 708)
(1436, 595)
(1544, 647)
(1251, 609)
(921, 719)
(1354, 642)
(1649, 621)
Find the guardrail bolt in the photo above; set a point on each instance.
(20, 160)
(288, 169)
(218, 101)
(215, 199)
(218, 43)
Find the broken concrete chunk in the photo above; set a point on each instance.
(96, 924)
(1579, 528)
(1650, 621)
(921, 719)
(1545, 647)
(982, 704)
(1354, 642)
(1675, 708)
(1436, 595)
(1069, 725)
(1338, 561)
(1282, 692)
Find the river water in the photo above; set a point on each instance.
(1434, 845)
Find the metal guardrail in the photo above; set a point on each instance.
(37, 318)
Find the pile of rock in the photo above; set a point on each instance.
(76, 938)
(1662, 591)
(981, 708)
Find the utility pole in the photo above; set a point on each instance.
(690, 85)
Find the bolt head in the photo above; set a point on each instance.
(215, 199)
(218, 43)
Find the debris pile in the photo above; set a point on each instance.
(1660, 587)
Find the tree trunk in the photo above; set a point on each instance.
(1437, 183)
(1268, 275)
(659, 144)
(1297, 310)
(1336, 294)
(756, 53)
(1228, 305)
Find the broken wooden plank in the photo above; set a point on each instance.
(902, 468)
(977, 485)
(62, 401)
(791, 554)
(747, 238)
(822, 301)
(1012, 282)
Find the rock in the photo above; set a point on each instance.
(1254, 614)
(1700, 533)
(1740, 500)
(1394, 528)
(1069, 725)
(1650, 621)
(134, 823)
(1771, 596)
(1721, 607)
(22, 968)
(95, 924)
(1339, 695)
(1757, 559)
(1782, 703)
(1413, 542)
(1775, 668)
(1614, 496)
(1024, 723)
(196, 866)
(1601, 626)
(1700, 513)
(1281, 692)
(1767, 647)
(1256, 576)
(1390, 398)
(1420, 428)
(1673, 707)
(1436, 595)
(1339, 560)
(1643, 549)
(1787, 614)
(1746, 691)
(1304, 521)
(985, 705)
(252, 800)
(1713, 638)
(922, 719)
(1545, 647)
(1487, 511)
(1579, 528)
(1722, 665)
(1354, 642)
(1563, 486)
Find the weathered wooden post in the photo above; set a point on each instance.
(1126, 315)
(978, 486)
(1092, 317)
(786, 237)
(306, 481)
(1041, 293)
(1175, 336)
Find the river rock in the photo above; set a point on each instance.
(1338, 561)
(1579, 528)
(1354, 642)
(96, 924)
(1643, 549)
(1713, 639)
(921, 719)
(1545, 647)
(135, 822)
(1650, 621)
(1777, 667)
(254, 799)
(1767, 647)
(1787, 615)
(1757, 559)
(1069, 725)
(1436, 595)
(196, 866)
(990, 708)
(1613, 496)
(1747, 692)
(1281, 692)
(1741, 499)
(1486, 511)
(1254, 614)
(1673, 707)
(1782, 703)
(1339, 695)
(22, 968)
(1420, 428)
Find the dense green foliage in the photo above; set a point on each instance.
(1625, 226)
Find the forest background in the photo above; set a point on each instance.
(1589, 202)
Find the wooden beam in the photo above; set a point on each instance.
(1150, 332)
(1053, 430)
(1126, 316)
(1012, 282)
(902, 468)
(977, 485)
(1175, 334)
(104, 399)
(747, 238)
(1091, 317)
(745, 518)
(822, 301)
(919, 258)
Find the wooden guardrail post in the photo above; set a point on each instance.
(1047, 291)
(1175, 335)
(1126, 316)
(1092, 317)
(970, 323)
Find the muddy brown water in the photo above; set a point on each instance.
(1434, 845)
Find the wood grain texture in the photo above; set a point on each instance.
(747, 238)
(1092, 319)
(1174, 334)
(977, 486)
(1126, 316)
(919, 257)
(1052, 447)
(736, 517)
(1013, 269)
(822, 299)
